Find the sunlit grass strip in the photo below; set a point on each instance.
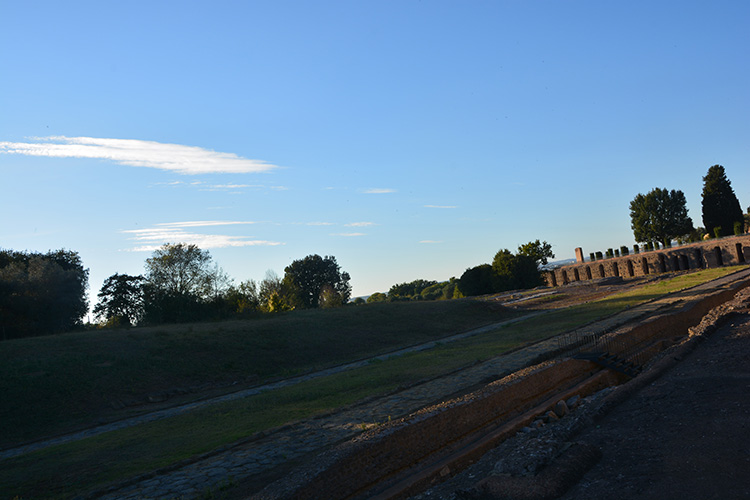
(60, 471)
(65, 382)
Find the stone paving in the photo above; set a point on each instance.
(294, 441)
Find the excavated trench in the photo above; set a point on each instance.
(404, 457)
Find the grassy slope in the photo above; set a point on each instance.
(61, 470)
(62, 382)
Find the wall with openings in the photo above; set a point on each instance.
(728, 251)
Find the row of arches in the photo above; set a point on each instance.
(629, 267)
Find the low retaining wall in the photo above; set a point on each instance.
(382, 452)
(708, 254)
(671, 325)
(349, 469)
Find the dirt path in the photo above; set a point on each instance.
(686, 435)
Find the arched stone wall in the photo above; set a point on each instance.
(713, 253)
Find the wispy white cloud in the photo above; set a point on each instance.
(149, 239)
(319, 223)
(359, 224)
(203, 223)
(348, 234)
(137, 153)
(217, 187)
(440, 206)
(379, 191)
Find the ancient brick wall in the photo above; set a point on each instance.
(706, 254)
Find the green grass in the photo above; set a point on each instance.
(60, 471)
(63, 382)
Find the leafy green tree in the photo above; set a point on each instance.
(526, 272)
(512, 272)
(503, 269)
(377, 297)
(276, 303)
(180, 269)
(433, 292)
(243, 298)
(307, 278)
(269, 286)
(183, 284)
(41, 294)
(659, 215)
(478, 280)
(539, 251)
(412, 289)
(721, 208)
(121, 300)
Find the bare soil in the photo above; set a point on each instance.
(682, 431)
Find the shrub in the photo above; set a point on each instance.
(636, 249)
(738, 227)
(717, 232)
(592, 257)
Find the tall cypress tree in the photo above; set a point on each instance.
(721, 208)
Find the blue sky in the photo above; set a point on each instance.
(408, 139)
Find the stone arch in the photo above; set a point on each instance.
(684, 262)
(719, 257)
(644, 265)
(601, 271)
(615, 268)
(631, 271)
(740, 253)
(565, 277)
(588, 272)
(675, 263)
(699, 258)
(662, 264)
(576, 275)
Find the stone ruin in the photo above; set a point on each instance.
(733, 250)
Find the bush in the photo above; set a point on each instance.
(636, 249)
(592, 257)
(599, 256)
(738, 227)
(717, 232)
(624, 250)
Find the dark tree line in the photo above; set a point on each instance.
(508, 271)
(41, 294)
(419, 290)
(183, 284)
